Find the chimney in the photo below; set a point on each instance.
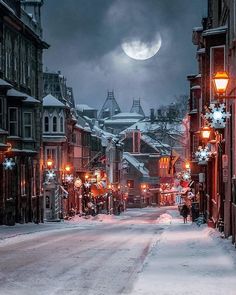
(33, 7)
(152, 115)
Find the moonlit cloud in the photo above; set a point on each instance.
(86, 38)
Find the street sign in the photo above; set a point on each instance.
(225, 161)
(225, 174)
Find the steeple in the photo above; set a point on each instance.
(110, 107)
(137, 108)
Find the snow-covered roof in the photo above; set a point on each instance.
(30, 99)
(199, 76)
(160, 147)
(15, 93)
(195, 87)
(3, 83)
(120, 121)
(201, 50)
(197, 29)
(126, 115)
(215, 31)
(51, 101)
(136, 164)
(83, 107)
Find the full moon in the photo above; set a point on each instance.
(139, 50)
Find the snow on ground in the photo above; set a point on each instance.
(188, 260)
(183, 260)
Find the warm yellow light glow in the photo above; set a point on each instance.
(49, 163)
(187, 165)
(67, 168)
(86, 176)
(221, 80)
(205, 132)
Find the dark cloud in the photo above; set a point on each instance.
(86, 37)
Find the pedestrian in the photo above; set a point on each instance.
(185, 212)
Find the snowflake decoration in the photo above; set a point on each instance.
(203, 154)
(8, 164)
(87, 184)
(217, 115)
(186, 176)
(69, 178)
(50, 174)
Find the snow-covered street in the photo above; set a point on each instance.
(142, 251)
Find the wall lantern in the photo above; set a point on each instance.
(221, 81)
(205, 132)
(187, 165)
(67, 168)
(49, 163)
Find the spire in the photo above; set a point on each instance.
(110, 106)
(137, 108)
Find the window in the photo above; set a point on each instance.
(51, 154)
(13, 121)
(61, 124)
(47, 201)
(54, 124)
(28, 125)
(136, 142)
(217, 64)
(22, 180)
(46, 124)
(130, 183)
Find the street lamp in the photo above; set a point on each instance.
(221, 81)
(187, 165)
(205, 132)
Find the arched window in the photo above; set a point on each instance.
(47, 202)
(46, 124)
(61, 124)
(54, 124)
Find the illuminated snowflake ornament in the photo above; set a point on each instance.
(87, 184)
(69, 178)
(8, 164)
(50, 174)
(203, 154)
(186, 176)
(217, 115)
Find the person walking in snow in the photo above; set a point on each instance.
(185, 212)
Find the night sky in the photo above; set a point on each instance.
(86, 37)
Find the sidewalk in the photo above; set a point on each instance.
(188, 260)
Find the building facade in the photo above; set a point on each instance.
(216, 52)
(21, 48)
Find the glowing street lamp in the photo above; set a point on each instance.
(221, 81)
(187, 165)
(205, 132)
(49, 163)
(67, 168)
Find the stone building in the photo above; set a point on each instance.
(21, 48)
(216, 52)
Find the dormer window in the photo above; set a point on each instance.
(46, 124)
(54, 124)
(61, 124)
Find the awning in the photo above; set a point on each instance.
(30, 99)
(5, 84)
(15, 93)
